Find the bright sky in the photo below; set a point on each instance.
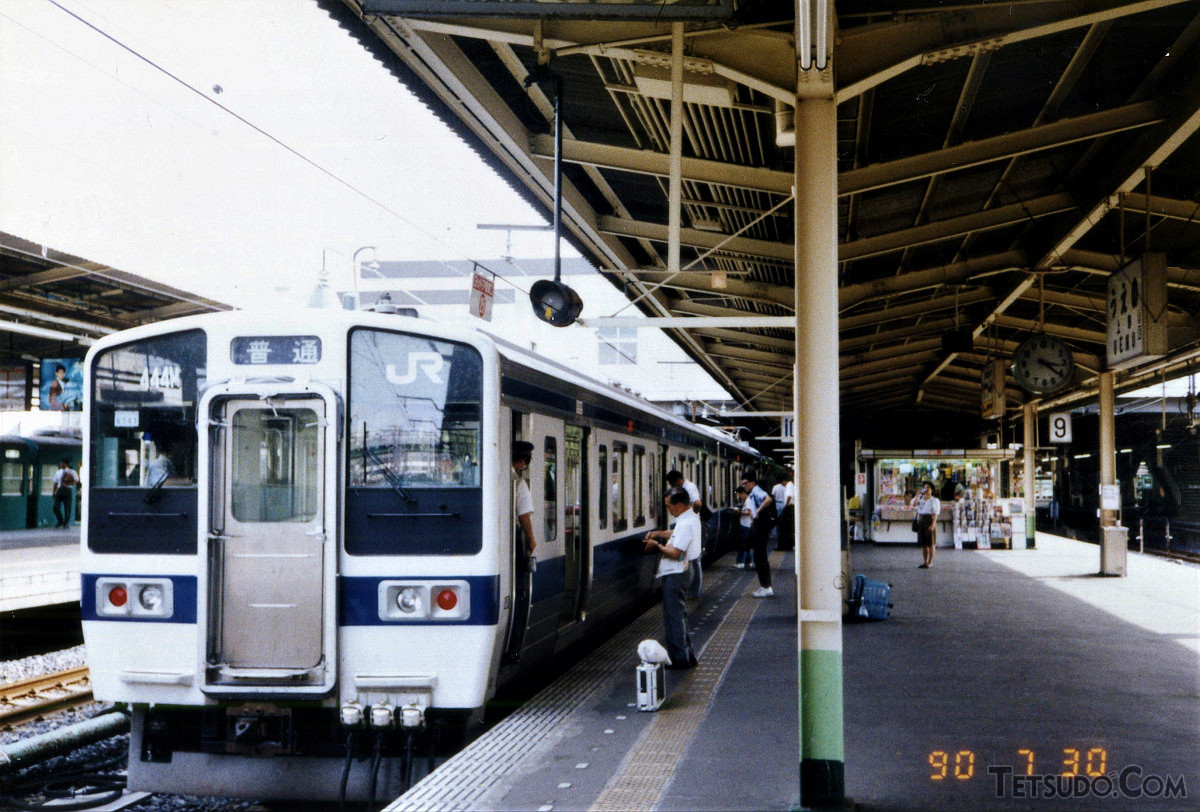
(105, 156)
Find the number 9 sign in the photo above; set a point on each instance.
(1060, 427)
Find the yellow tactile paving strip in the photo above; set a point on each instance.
(649, 768)
(479, 776)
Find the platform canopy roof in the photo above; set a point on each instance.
(996, 163)
(54, 305)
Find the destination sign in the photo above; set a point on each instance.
(263, 350)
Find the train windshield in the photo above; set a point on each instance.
(415, 406)
(144, 412)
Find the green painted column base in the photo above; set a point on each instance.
(822, 782)
(1030, 532)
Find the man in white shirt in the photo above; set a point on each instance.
(65, 480)
(676, 480)
(673, 574)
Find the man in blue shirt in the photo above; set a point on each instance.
(673, 572)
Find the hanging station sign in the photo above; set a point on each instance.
(992, 398)
(1137, 311)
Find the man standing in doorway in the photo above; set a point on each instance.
(522, 455)
(673, 573)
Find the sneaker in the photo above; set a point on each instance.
(922, 566)
(763, 592)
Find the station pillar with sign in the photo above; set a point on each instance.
(1113, 537)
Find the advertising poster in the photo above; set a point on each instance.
(14, 386)
(62, 385)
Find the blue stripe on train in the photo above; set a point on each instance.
(359, 596)
(183, 597)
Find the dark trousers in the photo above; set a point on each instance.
(63, 497)
(675, 625)
(760, 534)
(693, 590)
(787, 528)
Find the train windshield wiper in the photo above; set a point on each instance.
(155, 493)
(391, 476)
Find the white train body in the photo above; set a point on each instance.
(330, 548)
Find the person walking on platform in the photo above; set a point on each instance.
(928, 507)
(673, 574)
(65, 480)
(760, 530)
(676, 480)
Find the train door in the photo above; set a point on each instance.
(269, 561)
(521, 588)
(577, 554)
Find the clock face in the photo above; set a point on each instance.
(1043, 364)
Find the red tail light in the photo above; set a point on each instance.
(117, 596)
(447, 600)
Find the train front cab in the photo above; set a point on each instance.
(314, 553)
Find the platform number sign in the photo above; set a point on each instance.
(1060, 427)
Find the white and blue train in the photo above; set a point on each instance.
(299, 547)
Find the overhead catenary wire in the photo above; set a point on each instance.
(367, 196)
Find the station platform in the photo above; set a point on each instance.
(997, 672)
(39, 567)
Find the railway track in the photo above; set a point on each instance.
(28, 699)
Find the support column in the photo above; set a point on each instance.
(818, 483)
(1028, 481)
(1113, 537)
(675, 179)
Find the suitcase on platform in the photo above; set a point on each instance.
(870, 599)
(650, 686)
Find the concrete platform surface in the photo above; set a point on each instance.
(38, 568)
(1004, 680)
(1008, 679)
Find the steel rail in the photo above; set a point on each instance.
(28, 699)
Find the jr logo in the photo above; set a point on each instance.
(430, 363)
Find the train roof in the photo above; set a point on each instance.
(554, 369)
(302, 319)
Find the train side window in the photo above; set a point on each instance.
(619, 503)
(12, 479)
(603, 486)
(550, 490)
(655, 489)
(639, 490)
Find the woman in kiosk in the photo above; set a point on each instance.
(928, 507)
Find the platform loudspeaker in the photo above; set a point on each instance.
(957, 341)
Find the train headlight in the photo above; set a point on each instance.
(408, 600)
(418, 600)
(151, 597)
